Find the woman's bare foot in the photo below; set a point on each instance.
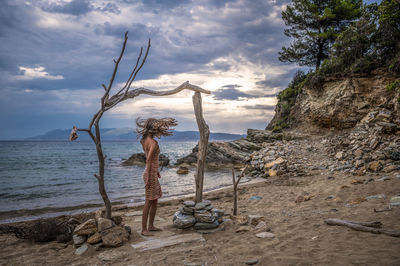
(147, 233)
(153, 228)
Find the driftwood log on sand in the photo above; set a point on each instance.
(372, 227)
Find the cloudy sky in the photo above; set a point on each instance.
(55, 55)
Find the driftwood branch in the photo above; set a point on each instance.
(372, 227)
(235, 185)
(203, 143)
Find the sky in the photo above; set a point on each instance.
(55, 54)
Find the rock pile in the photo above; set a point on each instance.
(373, 145)
(100, 232)
(200, 216)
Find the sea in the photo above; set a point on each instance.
(41, 179)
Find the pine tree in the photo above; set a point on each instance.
(314, 25)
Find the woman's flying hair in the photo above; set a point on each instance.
(154, 127)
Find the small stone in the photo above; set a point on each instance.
(96, 238)
(98, 246)
(103, 224)
(378, 196)
(114, 237)
(82, 249)
(243, 228)
(218, 212)
(359, 163)
(252, 262)
(339, 155)
(204, 217)
(209, 208)
(241, 219)
(265, 235)
(182, 170)
(255, 198)
(189, 203)
(262, 226)
(390, 168)
(385, 178)
(358, 152)
(272, 172)
(375, 166)
(202, 226)
(395, 156)
(78, 240)
(202, 205)
(395, 201)
(273, 163)
(87, 228)
(330, 197)
(187, 210)
(255, 219)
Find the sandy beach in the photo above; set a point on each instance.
(301, 236)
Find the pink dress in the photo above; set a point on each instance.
(153, 190)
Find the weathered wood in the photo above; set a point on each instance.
(235, 185)
(372, 227)
(106, 103)
(203, 143)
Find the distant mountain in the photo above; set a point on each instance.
(128, 134)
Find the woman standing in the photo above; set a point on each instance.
(148, 129)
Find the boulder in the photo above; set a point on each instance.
(206, 217)
(202, 226)
(87, 228)
(82, 249)
(103, 224)
(182, 170)
(140, 159)
(182, 221)
(375, 166)
(96, 238)
(78, 240)
(114, 237)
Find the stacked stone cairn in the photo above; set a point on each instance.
(200, 216)
(100, 232)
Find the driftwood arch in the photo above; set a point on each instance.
(126, 93)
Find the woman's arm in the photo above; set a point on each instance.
(149, 157)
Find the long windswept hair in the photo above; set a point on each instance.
(154, 127)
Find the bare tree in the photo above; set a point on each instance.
(121, 95)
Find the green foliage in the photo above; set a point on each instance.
(315, 25)
(394, 85)
(367, 44)
(290, 93)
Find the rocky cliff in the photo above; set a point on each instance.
(340, 103)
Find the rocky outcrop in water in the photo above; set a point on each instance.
(140, 159)
(234, 153)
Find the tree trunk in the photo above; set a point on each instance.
(100, 177)
(203, 142)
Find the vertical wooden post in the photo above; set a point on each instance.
(203, 143)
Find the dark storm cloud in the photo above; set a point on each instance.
(229, 92)
(186, 36)
(75, 7)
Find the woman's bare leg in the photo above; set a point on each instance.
(145, 215)
(153, 210)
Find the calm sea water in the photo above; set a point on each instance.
(40, 178)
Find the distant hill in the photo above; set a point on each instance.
(128, 134)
